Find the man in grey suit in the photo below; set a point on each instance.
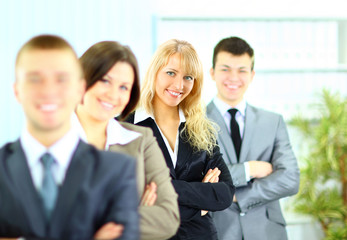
(53, 185)
(255, 146)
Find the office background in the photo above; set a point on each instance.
(300, 47)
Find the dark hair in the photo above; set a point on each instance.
(100, 58)
(45, 42)
(235, 46)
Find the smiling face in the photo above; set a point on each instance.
(172, 84)
(109, 96)
(232, 75)
(48, 86)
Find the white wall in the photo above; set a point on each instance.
(252, 8)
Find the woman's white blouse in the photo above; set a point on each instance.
(141, 115)
(115, 132)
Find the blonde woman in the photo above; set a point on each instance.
(113, 88)
(171, 106)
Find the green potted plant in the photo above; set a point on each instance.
(323, 187)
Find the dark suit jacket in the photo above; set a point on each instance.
(99, 187)
(193, 195)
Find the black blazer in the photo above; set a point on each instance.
(99, 187)
(193, 195)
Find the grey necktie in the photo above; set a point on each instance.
(49, 188)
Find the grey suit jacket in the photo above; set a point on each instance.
(99, 187)
(162, 220)
(257, 214)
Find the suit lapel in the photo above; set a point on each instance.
(149, 122)
(250, 121)
(184, 150)
(76, 174)
(224, 137)
(24, 187)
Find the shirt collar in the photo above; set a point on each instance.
(116, 133)
(181, 114)
(62, 150)
(224, 107)
(141, 115)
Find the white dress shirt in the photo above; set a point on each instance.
(240, 115)
(141, 115)
(62, 151)
(240, 118)
(115, 132)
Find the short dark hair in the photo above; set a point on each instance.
(100, 58)
(45, 42)
(234, 45)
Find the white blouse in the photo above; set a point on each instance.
(115, 132)
(141, 115)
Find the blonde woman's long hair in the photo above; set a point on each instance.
(200, 132)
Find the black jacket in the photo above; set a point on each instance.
(193, 195)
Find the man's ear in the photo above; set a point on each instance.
(253, 73)
(82, 90)
(15, 91)
(212, 73)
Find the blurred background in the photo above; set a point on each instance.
(300, 47)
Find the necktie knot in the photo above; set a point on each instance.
(47, 160)
(232, 112)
